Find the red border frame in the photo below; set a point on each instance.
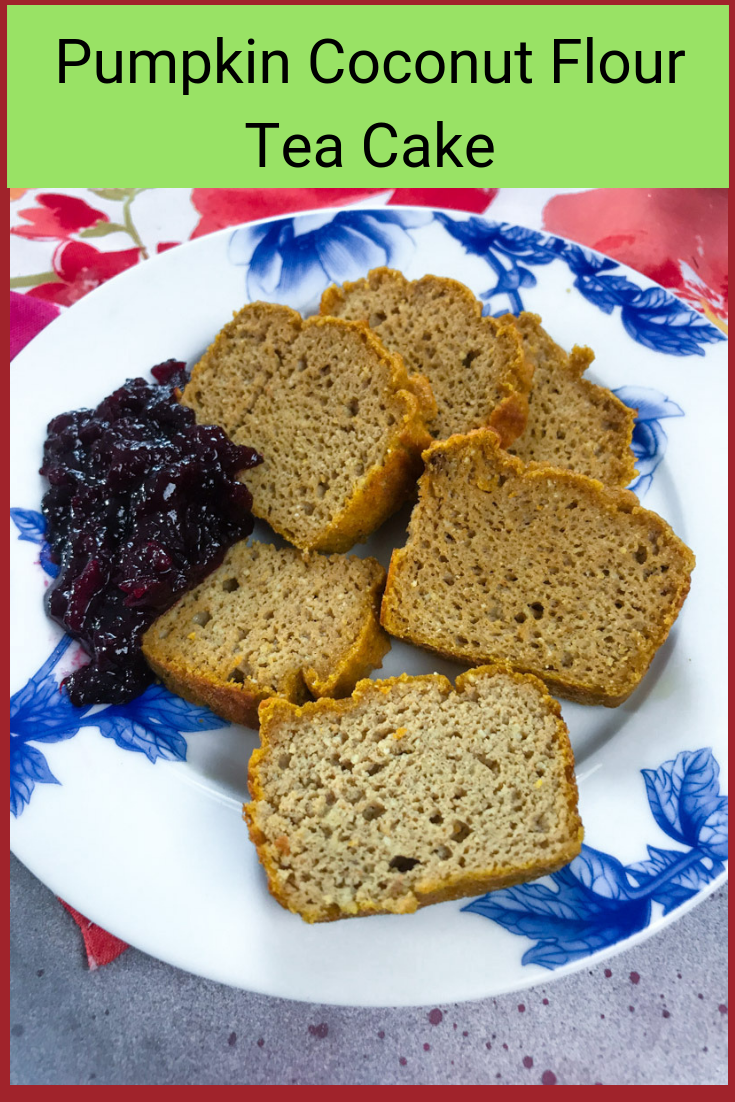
(313, 1091)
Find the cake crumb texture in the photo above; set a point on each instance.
(538, 566)
(271, 621)
(339, 423)
(412, 792)
(572, 422)
(476, 365)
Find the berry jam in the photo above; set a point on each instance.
(142, 503)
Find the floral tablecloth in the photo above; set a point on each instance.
(66, 242)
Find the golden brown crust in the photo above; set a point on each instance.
(239, 702)
(610, 499)
(385, 486)
(420, 386)
(475, 883)
(509, 417)
(427, 892)
(333, 298)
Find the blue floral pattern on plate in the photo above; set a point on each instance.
(649, 438)
(292, 260)
(32, 529)
(295, 259)
(653, 317)
(41, 712)
(596, 901)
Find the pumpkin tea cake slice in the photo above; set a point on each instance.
(267, 622)
(339, 423)
(541, 567)
(411, 792)
(572, 422)
(476, 365)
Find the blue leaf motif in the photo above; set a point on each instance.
(570, 922)
(600, 873)
(606, 292)
(664, 799)
(165, 708)
(41, 711)
(684, 795)
(30, 524)
(583, 263)
(28, 767)
(149, 738)
(152, 724)
(520, 242)
(32, 528)
(596, 901)
(656, 301)
(649, 438)
(650, 404)
(664, 334)
(713, 831)
(652, 316)
(699, 792)
(679, 881)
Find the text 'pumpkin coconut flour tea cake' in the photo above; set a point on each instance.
(543, 568)
(339, 423)
(411, 792)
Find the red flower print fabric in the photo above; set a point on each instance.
(475, 199)
(220, 207)
(80, 269)
(677, 236)
(57, 217)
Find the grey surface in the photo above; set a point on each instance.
(656, 1014)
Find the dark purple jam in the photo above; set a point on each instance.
(142, 503)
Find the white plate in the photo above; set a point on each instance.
(157, 852)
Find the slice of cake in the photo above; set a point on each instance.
(572, 422)
(543, 568)
(270, 622)
(476, 365)
(336, 418)
(412, 792)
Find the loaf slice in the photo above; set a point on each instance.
(572, 423)
(412, 792)
(476, 365)
(338, 422)
(542, 567)
(271, 621)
